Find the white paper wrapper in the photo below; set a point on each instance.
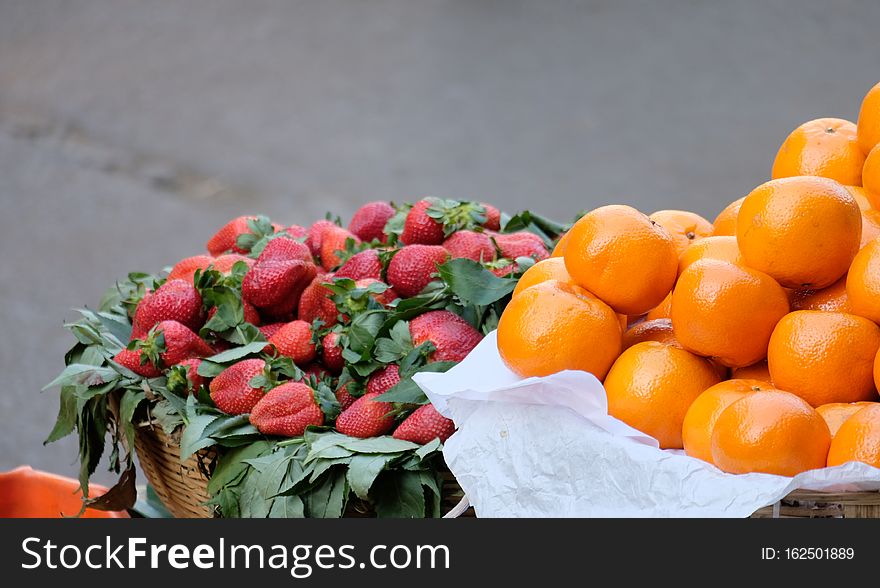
(546, 447)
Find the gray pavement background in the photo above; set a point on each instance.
(129, 131)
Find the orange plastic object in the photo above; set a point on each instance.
(29, 493)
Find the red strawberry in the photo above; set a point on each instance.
(452, 336)
(177, 343)
(384, 379)
(294, 340)
(192, 372)
(283, 248)
(343, 397)
(424, 425)
(296, 231)
(470, 245)
(366, 417)
(412, 267)
(287, 410)
(369, 221)
(522, 244)
(226, 238)
(331, 352)
(493, 217)
(231, 390)
(185, 269)
(332, 242)
(316, 370)
(131, 359)
(224, 263)
(385, 298)
(176, 300)
(503, 268)
(315, 303)
(277, 283)
(269, 330)
(250, 313)
(315, 235)
(365, 264)
(419, 228)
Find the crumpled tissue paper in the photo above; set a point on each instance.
(546, 447)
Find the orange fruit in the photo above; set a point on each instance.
(725, 222)
(652, 385)
(825, 147)
(662, 310)
(871, 177)
(554, 326)
(835, 413)
(559, 250)
(877, 371)
(696, 431)
(830, 299)
(869, 120)
(726, 311)
(659, 330)
(858, 439)
(824, 356)
(624, 258)
(870, 226)
(802, 231)
(552, 268)
(685, 227)
(773, 432)
(858, 192)
(723, 248)
(863, 282)
(756, 371)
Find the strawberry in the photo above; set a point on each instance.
(470, 245)
(384, 379)
(269, 330)
(283, 248)
(344, 398)
(287, 410)
(522, 244)
(192, 373)
(315, 303)
(369, 221)
(224, 263)
(452, 336)
(493, 217)
(131, 359)
(366, 417)
(315, 235)
(420, 228)
(176, 300)
(411, 269)
(503, 267)
(317, 371)
(185, 269)
(294, 340)
(424, 425)
(276, 284)
(170, 343)
(385, 298)
(226, 239)
(296, 231)
(331, 352)
(333, 242)
(365, 264)
(231, 390)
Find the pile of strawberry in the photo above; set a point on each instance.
(287, 332)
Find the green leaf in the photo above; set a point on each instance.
(406, 391)
(474, 284)
(384, 444)
(431, 480)
(193, 438)
(252, 503)
(167, 415)
(429, 448)
(363, 470)
(209, 369)
(81, 374)
(67, 415)
(236, 353)
(327, 501)
(364, 329)
(232, 464)
(131, 399)
(116, 325)
(399, 495)
(287, 507)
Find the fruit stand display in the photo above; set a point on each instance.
(271, 376)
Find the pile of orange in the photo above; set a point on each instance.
(751, 342)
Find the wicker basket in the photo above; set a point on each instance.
(183, 487)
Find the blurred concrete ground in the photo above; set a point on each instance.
(130, 130)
